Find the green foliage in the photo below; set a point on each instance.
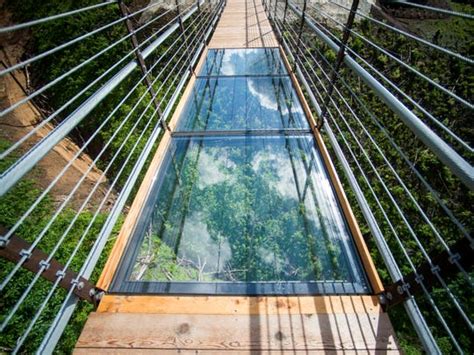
(53, 33)
(161, 264)
(13, 205)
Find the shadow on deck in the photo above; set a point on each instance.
(163, 324)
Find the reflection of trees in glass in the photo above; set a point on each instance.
(236, 213)
(248, 208)
(243, 103)
(157, 261)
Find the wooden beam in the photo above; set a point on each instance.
(239, 304)
(116, 351)
(365, 256)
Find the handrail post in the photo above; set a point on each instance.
(141, 61)
(275, 9)
(339, 59)
(183, 31)
(300, 32)
(285, 12)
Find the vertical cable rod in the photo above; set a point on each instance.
(141, 61)
(340, 57)
(183, 31)
(300, 32)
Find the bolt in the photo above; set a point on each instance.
(44, 264)
(80, 285)
(454, 258)
(25, 253)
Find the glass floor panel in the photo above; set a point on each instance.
(243, 62)
(242, 203)
(238, 103)
(243, 210)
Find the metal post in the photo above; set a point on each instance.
(186, 43)
(141, 61)
(284, 13)
(340, 57)
(300, 32)
(275, 9)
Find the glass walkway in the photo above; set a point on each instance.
(242, 202)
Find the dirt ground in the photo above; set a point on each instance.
(22, 120)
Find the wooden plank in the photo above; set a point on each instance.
(243, 24)
(359, 332)
(98, 351)
(365, 256)
(239, 304)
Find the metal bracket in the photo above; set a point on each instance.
(426, 274)
(50, 269)
(285, 11)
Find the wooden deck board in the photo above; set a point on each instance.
(237, 324)
(116, 351)
(243, 24)
(267, 332)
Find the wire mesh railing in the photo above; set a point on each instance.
(388, 107)
(109, 109)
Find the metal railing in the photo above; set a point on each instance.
(418, 223)
(128, 103)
